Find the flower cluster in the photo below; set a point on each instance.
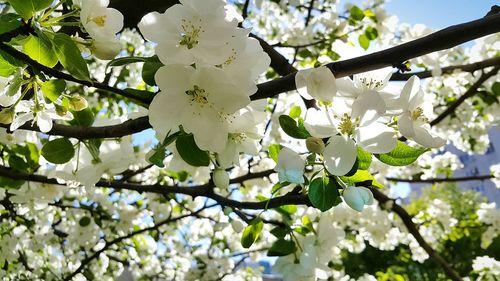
(209, 73)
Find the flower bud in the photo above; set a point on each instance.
(357, 197)
(6, 116)
(315, 145)
(77, 103)
(221, 178)
(237, 226)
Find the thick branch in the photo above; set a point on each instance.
(195, 191)
(449, 69)
(434, 180)
(114, 131)
(440, 40)
(469, 93)
(412, 228)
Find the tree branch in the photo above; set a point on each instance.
(434, 180)
(78, 132)
(448, 70)
(469, 93)
(440, 40)
(61, 75)
(205, 190)
(412, 228)
(95, 255)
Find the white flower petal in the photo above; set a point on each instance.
(290, 166)
(318, 124)
(340, 155)
(425, 138)
(44, 122)
(376, 138)
(405, 125)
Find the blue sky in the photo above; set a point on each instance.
(439, 13)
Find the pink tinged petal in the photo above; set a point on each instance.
(405, 125)
(376, 138)
(340, 155)
(44, 122)
(424, 137)
(21, 120)
(368, 107)
(318, 124)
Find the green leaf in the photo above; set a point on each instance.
(274, 151)
(364, 42)
(83, 222)
(9, 22)
(52, 89)
(362, 176)
(281, 248)
(364, 159)
(371, 33)
(323, 193)
(279, 186)
(69, 55)
(279, 232)
(15, 84)
(158, 157)
(83, 118)
(40, 49)
(295, 112)
(58, 151)
(402, 155)
(190, 152)
(149, 70)
(6, 68)
(252, 232)
(496, 89)
(357, 13)
(27, 8)
(290, 127)
(18, 163)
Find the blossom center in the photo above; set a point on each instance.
(346, 125)
(238, 137)
(190, 33)
(371, 83)
(198, 95)
(99, 20)
(418, 114)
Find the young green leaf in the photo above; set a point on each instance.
(281, 248)
(363, 176)
(28, 8)
(295, 112)
(323, 193)
(274, 151)
(9, 22)
(364, 42)
(356, 13)
(252, 232)
(58, 151)
(364, 159)
(149, 70)
(69, 55)
(402, 155)
(290, 127)
(190, 152)
(52, 89)
(39, 48)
